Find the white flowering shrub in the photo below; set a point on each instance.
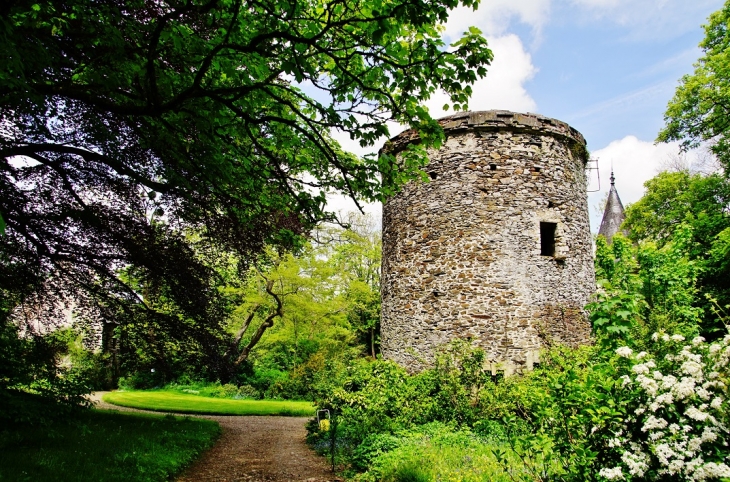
(676, 401)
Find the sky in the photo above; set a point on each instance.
(606, 67)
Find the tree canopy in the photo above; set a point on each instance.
(691, 208)
(700, 109)
(127, 124)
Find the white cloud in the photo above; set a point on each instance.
(503, 87)
(634, 162)
(649, 19)
(627, 101)
(494, 17)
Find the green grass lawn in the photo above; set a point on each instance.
(104, 446)
(168, 401)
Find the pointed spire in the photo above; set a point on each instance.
(614, 214)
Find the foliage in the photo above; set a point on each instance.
(380, 397)
(126, 125)
(646, 288)
(673, 198)
(211, 389)
(104, 446)
(32, 373)
(359, 253)
(170, 401)
(698, 110)
(374, 399)
(293, 318)
(434, 452)
(677, 423)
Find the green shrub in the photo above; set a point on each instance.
(410, 471)
(433, 452)
(32, 374)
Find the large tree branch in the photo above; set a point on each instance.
(267, 323)
(34, 149)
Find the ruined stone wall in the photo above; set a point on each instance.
(462, 253)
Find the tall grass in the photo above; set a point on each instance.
(104, 447)
(438, 452)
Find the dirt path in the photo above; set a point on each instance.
(266, 449)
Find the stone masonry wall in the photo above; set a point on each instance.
(462, 253)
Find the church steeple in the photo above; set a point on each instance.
(614, 214)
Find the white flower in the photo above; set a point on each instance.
(655, 336)
(640, 368)
(716, 403)
(703, 393)
(635, 460)
(677, 337)
(694, 444)
(665, 399)
(692, 368)
(693, 464)
(650, 386)
(653, 422)
(624, 351)
(668, 382)
(695, 414)
(711, 470)
(656, 435)
(714, 348)
(689, 356)
(674, 428)
(640, 355)
(665, 337)
(611, 474)
(685, 388)
(664, 452)
(615, 442)
(625, 380)
(697, 340)
(675, 466)
(639, 410)
(709, 434)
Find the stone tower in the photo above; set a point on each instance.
(613, 215)
(495, 248)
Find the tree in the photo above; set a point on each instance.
(126, 123)
(686, 216)
(700, 109)
(359, 255)
(333, 282)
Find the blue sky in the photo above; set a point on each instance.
(606, 67)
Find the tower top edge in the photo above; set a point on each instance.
(493, 120)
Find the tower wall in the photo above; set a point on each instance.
(462, 253)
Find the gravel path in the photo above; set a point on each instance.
(266, 449)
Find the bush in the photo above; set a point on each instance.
(431, 452)
(32, 376)
(678, 414)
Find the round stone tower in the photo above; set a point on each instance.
(496, 248)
